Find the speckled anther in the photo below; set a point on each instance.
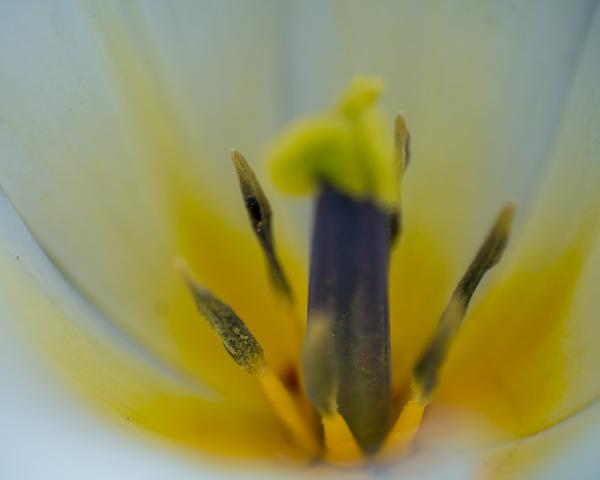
(260, 216)
(343, 406)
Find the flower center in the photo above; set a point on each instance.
(344, 407)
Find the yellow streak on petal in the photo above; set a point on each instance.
(128, 391)
(289, 412)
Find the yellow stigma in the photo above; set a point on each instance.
(347, 147)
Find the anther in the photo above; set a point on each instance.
(401, 143)
(260, 215)
(402, 157)
(248, 354)
(237, 339)
(427, 368)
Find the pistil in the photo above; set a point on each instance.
(345, 157)
(348, 319)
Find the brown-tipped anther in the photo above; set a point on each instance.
(402, 156)
(489, 254)
(248, 354)
(260, 215)
(402, 141)
(427, 368)
(236, 337)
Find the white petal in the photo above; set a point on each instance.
(51, 324)
(569, 450)
(567, 219)
(45, 431)
(576, 449)
(103, 107)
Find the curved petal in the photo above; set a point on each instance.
(114, 372)
(528, 354)
(105, 107)
(564, 451)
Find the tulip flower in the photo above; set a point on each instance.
(299, 239)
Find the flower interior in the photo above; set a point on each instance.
(335, 396)
(393, 334)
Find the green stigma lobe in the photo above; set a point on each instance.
(347, 148)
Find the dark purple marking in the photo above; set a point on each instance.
(349, 285)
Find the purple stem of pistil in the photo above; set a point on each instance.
(349, 285)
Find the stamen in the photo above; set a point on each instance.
(236, 337)
(348, 324)
(260, 215)
(248, 354)
(340, 445)
(406, 427)
(402, 152)
(428, 366)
